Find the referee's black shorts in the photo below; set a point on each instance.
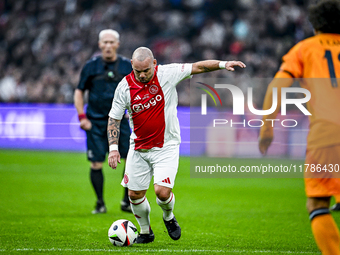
(97, 142)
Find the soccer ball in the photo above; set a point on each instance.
(122, 233)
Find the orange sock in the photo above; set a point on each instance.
(337, 199)
(325, 232)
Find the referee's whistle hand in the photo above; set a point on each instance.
(114, 159)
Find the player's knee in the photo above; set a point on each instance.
(163, 193)
(309, 206)
(314, 203)
(96, 165)
(134, 195)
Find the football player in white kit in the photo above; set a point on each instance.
(149, 94)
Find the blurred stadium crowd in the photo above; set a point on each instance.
(45, 43)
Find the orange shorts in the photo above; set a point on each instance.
(322, 178)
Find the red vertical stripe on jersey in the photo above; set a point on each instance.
(147, 106)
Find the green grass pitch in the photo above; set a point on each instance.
(46, 203)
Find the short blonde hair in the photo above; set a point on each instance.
(109, 31)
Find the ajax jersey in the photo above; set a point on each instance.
(152, 106)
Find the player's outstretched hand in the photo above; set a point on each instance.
(114, 159)
(230, 65)
(264, 144)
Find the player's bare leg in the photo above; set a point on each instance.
(141, 209)
(166, 200)
(324, 228)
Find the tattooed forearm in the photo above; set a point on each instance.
(113, 131)
(206, 69)
(205, 66)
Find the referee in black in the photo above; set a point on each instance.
(100, 76)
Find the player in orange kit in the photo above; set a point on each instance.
(317, 61)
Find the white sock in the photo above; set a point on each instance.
(167, 206)
(141, 210)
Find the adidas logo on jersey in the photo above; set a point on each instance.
(137, 97)
(167, 180)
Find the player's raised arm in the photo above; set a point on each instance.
(113, 138)
(213, 65)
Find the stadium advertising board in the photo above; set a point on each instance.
(56, 127)
(40, 127)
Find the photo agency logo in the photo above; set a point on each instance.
(238, 106)
(204, 97)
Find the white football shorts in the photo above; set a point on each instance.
(141, 165)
